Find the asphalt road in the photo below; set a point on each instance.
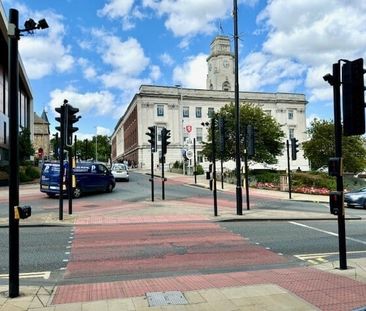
(46, 249)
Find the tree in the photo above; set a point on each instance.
(25, 145)
(268, 134)
(321, 147)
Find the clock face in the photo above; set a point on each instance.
(226, 64)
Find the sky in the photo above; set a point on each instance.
(97, 53)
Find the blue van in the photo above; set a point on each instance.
(90, 177)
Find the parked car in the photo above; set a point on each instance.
(120, 171)
(356, 198)
(89, 176)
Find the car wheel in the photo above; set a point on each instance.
(77, 192)
(109, 188)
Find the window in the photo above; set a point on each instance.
(226, 86)
(160, 110)
(199, 157)
(210, 112)
(290, 114)
(185, 112)
(198, 112)
(199, 135)
(291, 133)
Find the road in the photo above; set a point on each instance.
(99, 249)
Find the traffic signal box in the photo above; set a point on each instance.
(250, 139)
(353, 98)
(165, 136)
(336, 202)
(294, 148)
(335, 167)
(71, 118)
(153, 135)
(67, 119)
(222, 132)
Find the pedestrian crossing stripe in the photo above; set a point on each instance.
(30, 275)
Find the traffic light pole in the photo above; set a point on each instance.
(214, 164)
(288, 168)
(69, 181)
(338, 153)
(13, 157)
(162, 177)
(239, 193)
(246, 178)
(194, 161)
(61, 158)
(152, 176)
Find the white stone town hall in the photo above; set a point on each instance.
(182, 110)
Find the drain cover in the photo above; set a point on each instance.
(166, 298)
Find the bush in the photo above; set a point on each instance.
(28, 173)
(265, 176)
(178, 164)
(315, 180)
(199, 170)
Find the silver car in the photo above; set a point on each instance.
(120, 171)
(356, 198)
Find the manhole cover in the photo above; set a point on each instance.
(166, 298)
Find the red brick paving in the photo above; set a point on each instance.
(132, 246)
(343, 294)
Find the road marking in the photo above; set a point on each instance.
(326, 232)
(318, 258)
(30, 275)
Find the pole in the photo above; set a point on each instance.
(152, 176)
(194, 161)
(222, 173)
(288, 168)
(75, 150)
(338, 153)
(214, 164)
(61, 158)
(162, 177)
(246, 179)
(13, 73)
(96, 147)
(69, 181)
(239, 195)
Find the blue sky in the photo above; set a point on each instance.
(97, 53)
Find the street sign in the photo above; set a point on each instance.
(189, 154)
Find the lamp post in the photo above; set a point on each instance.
(13, 72)
(239, 195)
(96, 144)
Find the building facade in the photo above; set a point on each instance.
(25, 94)
(41, 141)
(182, 110)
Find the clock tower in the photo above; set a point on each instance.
(220, 65)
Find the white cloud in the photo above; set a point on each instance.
(45, 52)
(88, 69)
(259, 70)
(97, 103)
(192, 73)
(166, 59)
(190, 17)
(126, 59)
(315, 34)
(155, 73)
(100, 130)
(116, 8)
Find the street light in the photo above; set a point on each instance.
(14, 34)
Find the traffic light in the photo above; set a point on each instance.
(336, 202)
(353, 98)
(294, 148)
(71, 118)
(335, 167)
(152, 134)
(222, 132)
(250, 139)
(61, 119)
(165, 135)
